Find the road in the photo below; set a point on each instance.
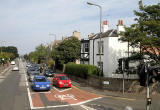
(16, 94)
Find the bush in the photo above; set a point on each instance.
(81, 70)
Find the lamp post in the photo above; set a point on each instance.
(100, 43)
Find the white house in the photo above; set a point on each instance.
(111, 48)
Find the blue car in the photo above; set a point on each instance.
(40, 83)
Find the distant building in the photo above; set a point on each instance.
(75, 34)
(54, 43)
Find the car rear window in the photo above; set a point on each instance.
(63, 78)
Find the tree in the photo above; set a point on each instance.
(146, 32)
(39, 54)
(10, 49)
(67, 51)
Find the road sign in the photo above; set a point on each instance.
(106, 82)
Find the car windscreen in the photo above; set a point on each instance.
(63, 78)
(40, 80)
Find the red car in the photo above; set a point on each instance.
(61, 80)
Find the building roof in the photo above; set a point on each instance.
(109, 33)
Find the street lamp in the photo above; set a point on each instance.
(99, 36)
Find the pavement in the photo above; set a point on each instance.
(118, 94)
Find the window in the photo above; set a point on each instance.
(86, 47)
(100, 47)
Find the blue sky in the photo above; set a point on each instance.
(27, 23)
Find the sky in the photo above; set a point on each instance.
(28, 23)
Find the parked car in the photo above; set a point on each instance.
(32, 75)
(15, 68)
(40, 83)
(13, 62)
(61, 80)
(48, 73)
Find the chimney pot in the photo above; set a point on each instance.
(105, 23)
(105, 26)
(120, 22)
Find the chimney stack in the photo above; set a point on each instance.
(120, 26)
(105, 26)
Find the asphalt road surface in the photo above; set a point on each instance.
(16, 94)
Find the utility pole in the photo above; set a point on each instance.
(100, 42)
(148, 99)
(123, 74)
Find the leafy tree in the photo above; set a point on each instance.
(4, 56)
(67, 51)
(39, 54)
(10, 49)
(26, 57)
(146, 32)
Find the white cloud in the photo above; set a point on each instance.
(27, 23)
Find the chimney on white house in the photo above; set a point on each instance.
(120, 26)
(105, 26)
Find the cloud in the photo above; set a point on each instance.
(27, 23)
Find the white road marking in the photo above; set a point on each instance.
(26, 80)
(64, 97)
(67, 104)
(28, 92)
(87, 108)
(30, 99)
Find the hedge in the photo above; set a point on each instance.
(81, 70)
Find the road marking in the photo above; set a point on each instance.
(64, 97)
(30, 99)
(123, 98)
(26, 80)
(87, 108)
(67, 104)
